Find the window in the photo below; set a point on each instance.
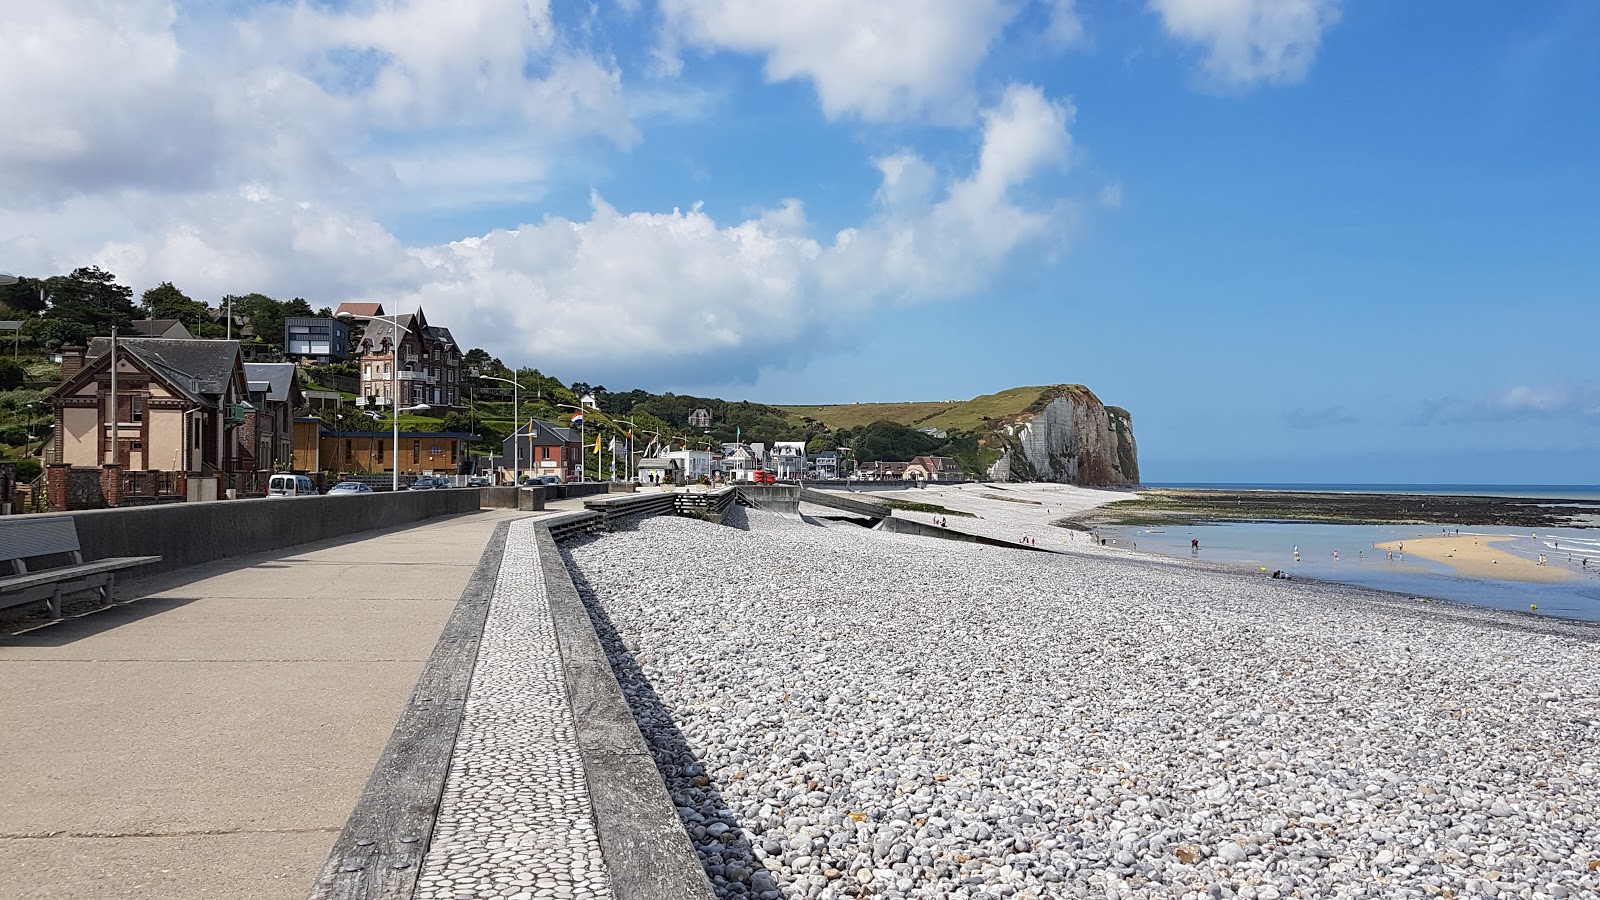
(453, 448)
(416, 452)
(380, 453)
(349, 453)
(544, 452)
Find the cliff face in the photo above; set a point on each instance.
(1068, 437)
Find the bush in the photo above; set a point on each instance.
(28, 469)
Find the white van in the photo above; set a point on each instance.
(291, 486)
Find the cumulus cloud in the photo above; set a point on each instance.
(682, 291)
(1066, 27)
(885, 60)
(105, 96)
(262, 150)
(1250, 41)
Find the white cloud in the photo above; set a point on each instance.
(883, 60)
(1250, 41)
(1066, 27)
(109, 96)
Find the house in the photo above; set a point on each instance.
(695, 464)
(428, 360)
(177, 433)
(936, 468)
(544, 448)
(269, 426)
(356, 315)
(740, 462)
(700, 418)
(180, 404)
(160, 328)
(788, 459)
(316, 339)
(881, 470)
(827, 464)
(421, 452)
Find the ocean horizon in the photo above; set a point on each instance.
(1530, 491)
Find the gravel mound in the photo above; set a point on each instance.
(839, 712)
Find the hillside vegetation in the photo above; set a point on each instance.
(855, 415)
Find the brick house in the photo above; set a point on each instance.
(544, 448)
(180, 409)
(428, 358)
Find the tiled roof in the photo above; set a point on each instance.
(201, 367)
(360, 309)
(278, 376)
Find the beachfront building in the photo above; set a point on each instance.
(935, 468)
(788, 459)
(695, 464)
(316, 339)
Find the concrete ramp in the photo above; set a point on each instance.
(848, 504)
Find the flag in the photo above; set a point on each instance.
(597, 443)
(577, 418)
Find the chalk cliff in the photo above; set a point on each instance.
(1069, 437)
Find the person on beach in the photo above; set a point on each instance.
(1391, 556)
(1335, 556)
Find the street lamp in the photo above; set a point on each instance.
(516, 428)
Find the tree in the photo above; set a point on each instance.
(87, 303)
(26, 296)
(164, 301)
(479, 358)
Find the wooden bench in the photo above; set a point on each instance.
(39, 537)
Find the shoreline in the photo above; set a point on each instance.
(1191, 506)
(1472, 556)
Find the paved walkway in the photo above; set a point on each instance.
(515, 819)
(209, 739)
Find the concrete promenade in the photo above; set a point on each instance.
(209, 738)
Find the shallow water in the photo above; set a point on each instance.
(1271, 545)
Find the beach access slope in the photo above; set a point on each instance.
(838, 712)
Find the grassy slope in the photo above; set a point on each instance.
(855, 415)
(969, 416)
(961, 416)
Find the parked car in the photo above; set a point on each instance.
(422, 484)
(479, 481)
(548, 479)
(290, 486)
(350, 487)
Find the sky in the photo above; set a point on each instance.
(1299, 240)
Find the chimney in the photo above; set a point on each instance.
(71, 361)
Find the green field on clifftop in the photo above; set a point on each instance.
(969, 415)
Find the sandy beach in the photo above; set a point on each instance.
(1477, 557)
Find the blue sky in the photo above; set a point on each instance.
(1300, 240)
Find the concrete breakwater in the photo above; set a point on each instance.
(841, 712)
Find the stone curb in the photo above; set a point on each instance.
(647, 853)
(380, 851)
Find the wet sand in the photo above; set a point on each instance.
(1477, 557)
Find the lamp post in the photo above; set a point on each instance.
(516, 428)
(583, 436)
(394, 382)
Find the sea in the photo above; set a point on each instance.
(1271, 546)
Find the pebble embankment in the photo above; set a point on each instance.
(839, 712)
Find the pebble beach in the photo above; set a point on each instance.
(840, 712)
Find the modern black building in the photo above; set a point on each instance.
(318, 339)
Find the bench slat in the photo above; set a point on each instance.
(37, 536)
(66, 573)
